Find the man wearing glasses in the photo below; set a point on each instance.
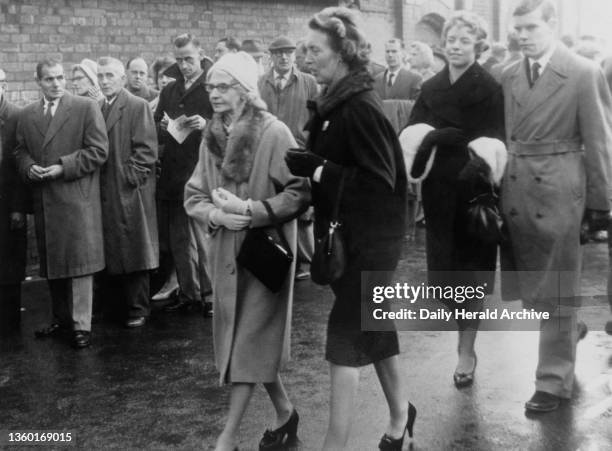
(185, 100)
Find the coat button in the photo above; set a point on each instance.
(538, 179)
(539, 215)
(513, 138)
(181, 105)
(512, 177)
(513, 212)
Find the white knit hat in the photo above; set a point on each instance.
(90, 69)
(242, 67)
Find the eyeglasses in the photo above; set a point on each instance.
(221, 87)
(77, 78)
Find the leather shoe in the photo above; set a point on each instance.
(54, 330)
(138, 321)
(582, 330)
(81, 339)
(542, 402)
(609, 327)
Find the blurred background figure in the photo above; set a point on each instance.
(589, 47)
(160, 79)
(225, 45)
(497, 55)
(421, 59)
(397, 82)
(300, 57)
(255, 48)
(137, 72)
(85, 80)
(439, 59)
(13, 207)
(513, 54)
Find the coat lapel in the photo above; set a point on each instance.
(38, 119)
(61, 116)
(551, 80)
(116, 110)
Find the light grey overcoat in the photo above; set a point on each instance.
(251, 325)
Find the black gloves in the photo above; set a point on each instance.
(444, 137)
(302, 162)
(597, 219)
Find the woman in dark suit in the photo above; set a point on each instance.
(350, 137)
(459, 114)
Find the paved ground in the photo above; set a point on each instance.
(156, 387)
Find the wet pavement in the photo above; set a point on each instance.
(156, 387)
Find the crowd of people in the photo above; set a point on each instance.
(146, 190)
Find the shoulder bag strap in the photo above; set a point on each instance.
(277, 226)
(336, 209)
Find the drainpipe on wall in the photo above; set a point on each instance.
(399, 19)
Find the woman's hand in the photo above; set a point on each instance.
(303, 163)
(230, 221)
(229, 202)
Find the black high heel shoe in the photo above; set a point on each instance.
(286, 435)
(388, 443)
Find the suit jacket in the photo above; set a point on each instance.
(558, 135)
(67, 211)
(12, 199)
(179, 160)
(128, 187)
(407, 85)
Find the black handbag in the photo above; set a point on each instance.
(484, 220)
(264, 257)
(329, 260)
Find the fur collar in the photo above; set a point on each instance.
(234, 152)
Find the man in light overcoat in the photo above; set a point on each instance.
(128, 194)
(557, 108)
(61, 144)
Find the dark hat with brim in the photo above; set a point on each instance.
(282, 43)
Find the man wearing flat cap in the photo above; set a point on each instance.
(286, 90)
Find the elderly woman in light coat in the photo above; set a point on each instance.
(241, 163)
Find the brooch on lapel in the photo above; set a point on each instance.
(325, 125)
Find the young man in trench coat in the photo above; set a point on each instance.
(128, 194)
(61, 144)
(557, 107)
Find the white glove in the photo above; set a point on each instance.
(229, 202)
(230, 221)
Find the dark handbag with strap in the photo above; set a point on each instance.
(267, 259)
(329, 260)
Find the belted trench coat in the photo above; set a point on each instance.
(558, 139)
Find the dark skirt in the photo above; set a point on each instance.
(347, 344)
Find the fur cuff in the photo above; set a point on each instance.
(410, 140)
(494, 153)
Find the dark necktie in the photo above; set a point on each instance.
(390, 79)
(49, 113)
(535, 72)
(106, 109)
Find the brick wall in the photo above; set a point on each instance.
(75, 29)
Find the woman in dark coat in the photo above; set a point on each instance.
(458, 113)
(350, 135)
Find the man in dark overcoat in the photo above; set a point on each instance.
(128, 192)
(557, 110)
(186, 97)
(61, 145)
(12, 217)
